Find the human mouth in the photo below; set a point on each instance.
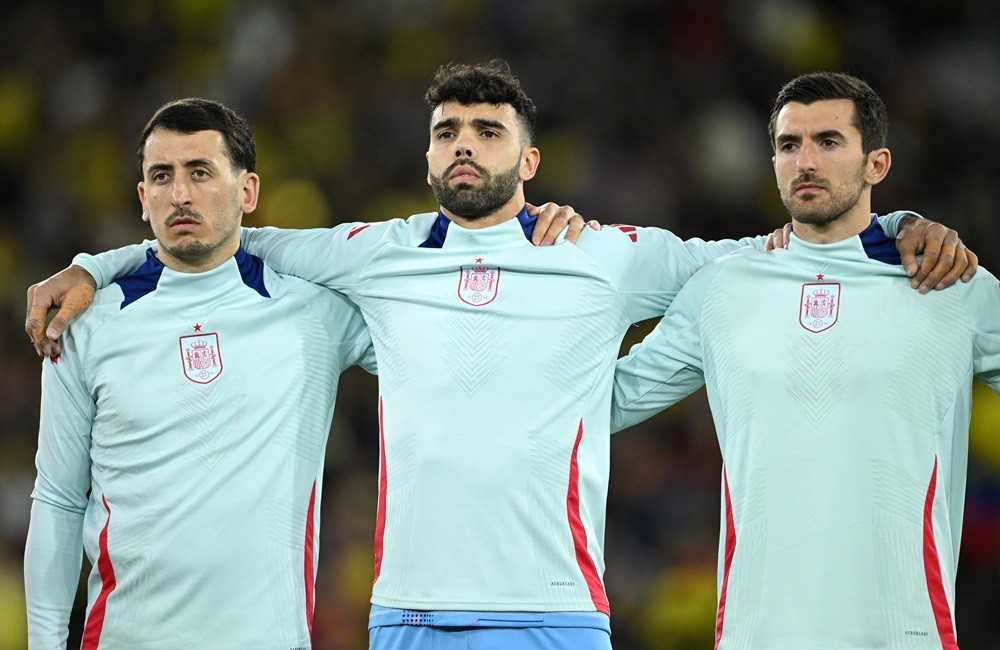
(183, 223)
(808, 187)
(463, 174)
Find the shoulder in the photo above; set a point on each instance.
(733, 270)
(339, 315)
(740, 261)
(984, 285)
(618, 246)
(106, 306)
(620, 235)
(411, 231)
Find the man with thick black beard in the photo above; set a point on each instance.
(494, 440)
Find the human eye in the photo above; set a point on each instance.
(200, 174)
(160, 177)
(444, 135)
(490, 134)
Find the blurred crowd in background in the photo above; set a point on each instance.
(650, 112)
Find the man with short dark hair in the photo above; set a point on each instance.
(182, 428)
(494, 445)
(844, 458)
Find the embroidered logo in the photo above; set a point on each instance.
(819, 307)
(201, 357)
(478, 283)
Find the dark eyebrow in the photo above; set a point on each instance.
(831, 133)
(444, 124)
(822, 135)
(479, 122)
(489, 124)
(196, 162)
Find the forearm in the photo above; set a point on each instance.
(315, 255)
(638, 397)
(53, 555)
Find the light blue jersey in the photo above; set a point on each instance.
(841, 399)
(495, 374)
(182, 439)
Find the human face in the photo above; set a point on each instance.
(478, 161)
(193, 199)
(823, 176)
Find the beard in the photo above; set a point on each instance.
(192, 251)
(811, 211)
(189, 249)
(471, 202)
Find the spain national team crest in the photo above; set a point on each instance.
(819, 307)
(201, 357)
(478, 283)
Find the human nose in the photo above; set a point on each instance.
(806, 161)
(179, 193)
(463, 147)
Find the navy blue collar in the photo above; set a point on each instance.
(145, 279)
(440, 228)
(879, 246)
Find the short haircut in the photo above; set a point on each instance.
(490, 82)
(871, 117)
(195, 114)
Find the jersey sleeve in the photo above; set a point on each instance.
(331, 257)
(53, 557)
(667, 365)
(892, 222)
(54, 547)
(983, 305)
(108, 266)
(346, 329)
(650, 265)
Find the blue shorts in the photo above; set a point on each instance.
(406, 637)
(398, 629)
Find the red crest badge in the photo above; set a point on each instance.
(201, 357)
(819, 307)
(478, 283)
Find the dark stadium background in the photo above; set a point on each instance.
(651, 113)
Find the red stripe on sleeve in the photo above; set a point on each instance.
(730, 552)
(382, 488)
(932, 569)
(310, 567)
(583, 559)
(95, 619)
(356, 231)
